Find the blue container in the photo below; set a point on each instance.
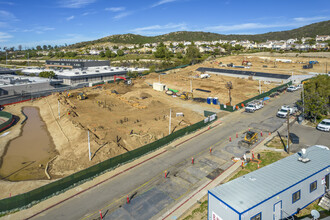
(209, 100)
(215, 100)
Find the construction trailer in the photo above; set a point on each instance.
(159, 87)
(276, 191)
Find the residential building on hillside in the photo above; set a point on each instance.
(322, 37)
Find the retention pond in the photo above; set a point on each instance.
(26, 156)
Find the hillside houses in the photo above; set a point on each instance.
(322, 37)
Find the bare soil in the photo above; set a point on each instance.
(121, 118)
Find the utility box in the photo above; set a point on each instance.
(159, 87)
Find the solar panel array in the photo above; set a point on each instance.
(246, 73)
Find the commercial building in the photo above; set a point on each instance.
(6, 71)
(83, 72)
(16, 85)
(93, 74)
(75, 63)
(276, 191)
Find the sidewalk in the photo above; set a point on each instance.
(184, 204)
(71, 193)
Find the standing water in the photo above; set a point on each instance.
(26, 156)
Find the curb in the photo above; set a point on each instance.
(117, 174)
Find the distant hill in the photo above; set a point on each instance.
(320, 28)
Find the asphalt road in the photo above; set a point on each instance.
(87, 204)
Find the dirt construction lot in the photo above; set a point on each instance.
(266, 62)
(121, 117)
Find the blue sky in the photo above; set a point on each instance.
(38, 22)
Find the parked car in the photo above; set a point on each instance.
(324, 125)
(292, 88)
(251, 107)
(285, 109)
(254, 105)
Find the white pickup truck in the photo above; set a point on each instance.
(254, 106)
(285, 109)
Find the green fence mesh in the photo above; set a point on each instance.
(55, 187)
(8, 116)
(263, 95)
(172, 68)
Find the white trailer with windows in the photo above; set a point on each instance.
(276, 191)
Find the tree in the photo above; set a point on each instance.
(179, 55)
(19, 47)
(115, 47)
(160, 51)
(44, 47)
(50, 54)
(120, 53)
(317, 97)
(193, 52)
(102, 54)
(109, 54)
(38, 47)
(47, 74)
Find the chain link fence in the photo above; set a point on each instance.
(29, 198)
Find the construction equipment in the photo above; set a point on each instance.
(250, 138)
(81, 96)
(186, 95)
(127, 81)
(246, 62)
(69, 95)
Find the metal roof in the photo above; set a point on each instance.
(253, 188)
(246, 73)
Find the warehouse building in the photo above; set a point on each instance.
(86, 72)
(93, 74)
(18, 85)
(276, 191)
(76, 63)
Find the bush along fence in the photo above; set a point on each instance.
(27, 199)
(263, 95)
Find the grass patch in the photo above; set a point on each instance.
(201, 211)
(277, 143)
(266, 158)
(306, 212)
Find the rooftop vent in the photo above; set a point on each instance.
(303, 157)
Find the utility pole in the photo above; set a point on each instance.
(28, 60)
(59, 110)
(259, 87)
(191, 90)
(303, 100)
(6, 58)
(229, 86)
(169, 126)
(326, 67)
(89, 147)
(288, 124)
(292, 77)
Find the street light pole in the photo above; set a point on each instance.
(169, 127)
(303, 100)
(288, 124)
(89, 147)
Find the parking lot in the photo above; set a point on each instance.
(308, 136)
